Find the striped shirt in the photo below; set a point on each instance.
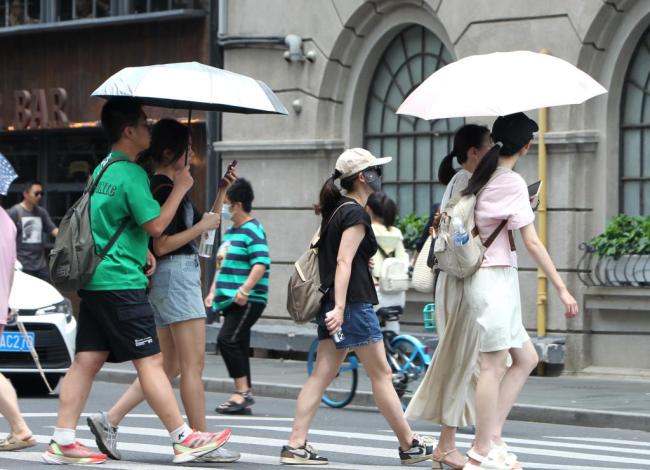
(248, 247)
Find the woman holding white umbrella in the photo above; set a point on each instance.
(492, 293)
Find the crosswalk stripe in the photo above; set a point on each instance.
(379, 437)
(256, 458)
(379, 452)
(151, 415)
(167, 450)
(604, 441)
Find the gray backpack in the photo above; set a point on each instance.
(305, 290)
(74, 258)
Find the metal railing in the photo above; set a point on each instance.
(628, 270)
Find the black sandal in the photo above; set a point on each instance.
(232, 407)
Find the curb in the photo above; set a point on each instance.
(520, 412)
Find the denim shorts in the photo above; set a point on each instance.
(360, 325)
(175, 293)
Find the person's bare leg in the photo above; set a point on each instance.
(524, 360)
(493, 365)
(241, 385)
(134, 394)
(373, 358)
(328, 363)
(10, 410)
(447, 443)
(189, 338)
(76, 386)
(158, 391)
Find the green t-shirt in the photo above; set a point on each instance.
(122, 193)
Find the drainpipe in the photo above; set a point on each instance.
(542, 295)
(217, 20)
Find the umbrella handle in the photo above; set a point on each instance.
(189, 130)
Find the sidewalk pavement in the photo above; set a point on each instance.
(611, 402)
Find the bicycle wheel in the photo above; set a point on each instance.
(408, 354)
(344, 386)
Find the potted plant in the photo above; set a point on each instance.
(624, 251)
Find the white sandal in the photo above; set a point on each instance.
(509, 457)
(494, 460)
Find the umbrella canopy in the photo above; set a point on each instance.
(7, 175)
(498, 84)
(191, 85)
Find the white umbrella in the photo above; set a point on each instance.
(498, 84)
(191, 85)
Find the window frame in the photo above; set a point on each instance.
(433, 132)
(641, 127)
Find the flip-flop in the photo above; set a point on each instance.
(11, 442)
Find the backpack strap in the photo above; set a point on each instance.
(322, 287)
(383, 252)
(93, 182)
(494, 234)
(90, 188)
(317, 242)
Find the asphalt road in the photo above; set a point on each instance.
(352, 438)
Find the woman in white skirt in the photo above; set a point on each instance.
(492, 293)
(446, 394)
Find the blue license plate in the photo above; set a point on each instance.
(14, 341)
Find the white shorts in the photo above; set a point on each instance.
(493, 300)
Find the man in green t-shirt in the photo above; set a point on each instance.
(116, 322)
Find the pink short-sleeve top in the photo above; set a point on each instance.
(503, 198)
(7, 261)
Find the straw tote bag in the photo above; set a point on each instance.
(423, 274)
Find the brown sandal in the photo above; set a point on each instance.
(11, 442)
(443, 459)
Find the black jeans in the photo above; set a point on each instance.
(235, 338)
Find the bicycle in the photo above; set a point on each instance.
(406, 355)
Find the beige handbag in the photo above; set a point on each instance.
(423, 274)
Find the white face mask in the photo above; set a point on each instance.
(225, 213)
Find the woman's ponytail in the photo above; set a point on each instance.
(329, 196)
(467, 137)
(484, 170)
(446, 170)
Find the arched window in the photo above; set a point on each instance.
(635, 133)
(417, 146)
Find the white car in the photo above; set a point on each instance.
(47, 317)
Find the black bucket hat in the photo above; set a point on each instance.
(514, 131)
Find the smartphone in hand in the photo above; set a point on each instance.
(533, 189)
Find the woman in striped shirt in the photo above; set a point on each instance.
(241, 293)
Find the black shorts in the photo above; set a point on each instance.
(120, 322)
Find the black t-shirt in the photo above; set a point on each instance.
(361, 287)
(186, 215)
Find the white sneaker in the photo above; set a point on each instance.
(221, 455)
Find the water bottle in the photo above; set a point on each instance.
(459, 233)
(207, 243)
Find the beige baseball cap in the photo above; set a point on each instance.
(353, 161)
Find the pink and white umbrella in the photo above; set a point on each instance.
(498, 84)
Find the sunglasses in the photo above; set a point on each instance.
(377, 169)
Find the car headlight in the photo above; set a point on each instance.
(64, 307)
